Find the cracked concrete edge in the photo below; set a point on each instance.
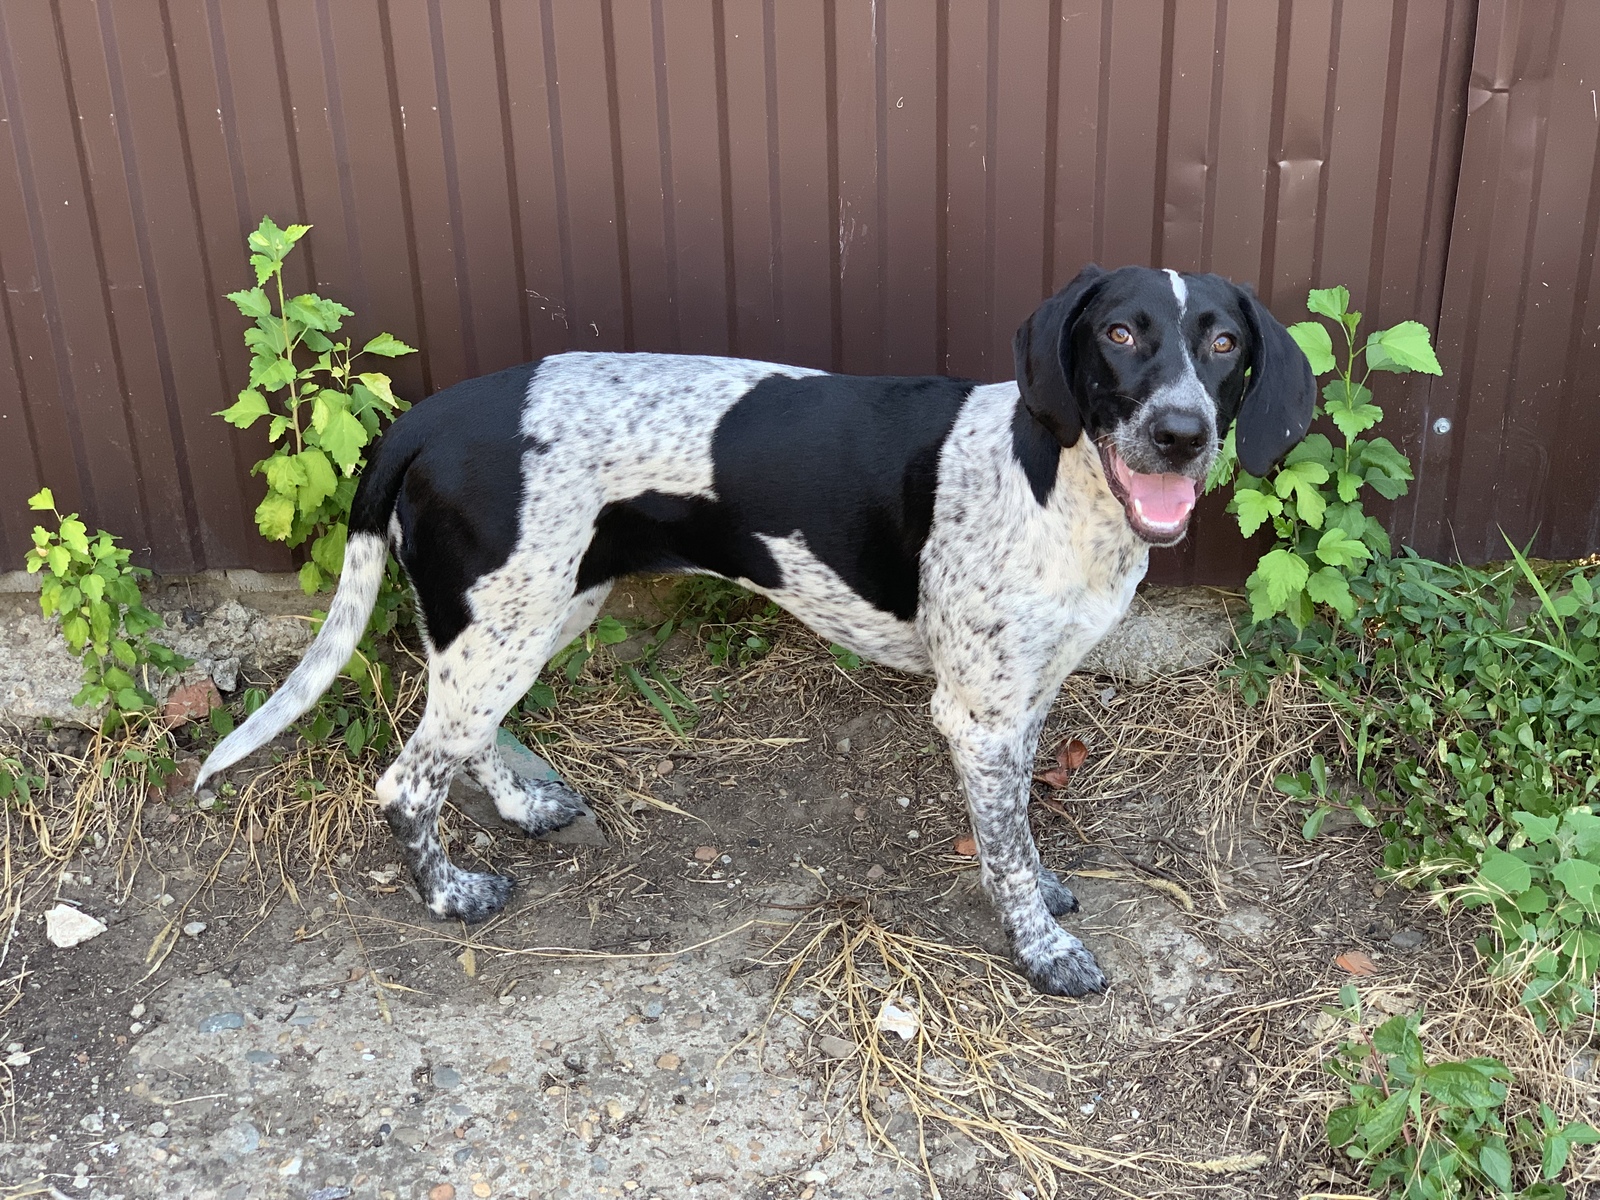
(225, 620)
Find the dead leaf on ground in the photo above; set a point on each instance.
(706, 854)
(967, 846)
(1356, 963)
(469, 962)
(1070, 755)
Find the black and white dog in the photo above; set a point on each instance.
(967, 531)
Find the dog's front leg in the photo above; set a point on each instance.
(994, 759)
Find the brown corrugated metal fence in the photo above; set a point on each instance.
(866, 185)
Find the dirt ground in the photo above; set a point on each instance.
(690, 1009)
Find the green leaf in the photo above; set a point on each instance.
(1579, 876)
(378, 384)
(343, 437)
(1505, 872)
(1314, 447)
(388, 346)
(271, 374)
(1402, 348)
(130, 699)
(310, 578)
(252, 302)
(1302, 480)
(1460, 1086)
(42, 501)
(1342, 1124)
(1309, 831)
(1331, 302)
(1314, 342)
(314, 312)
(285, 473)
(1329, 586)
(1339, 549)
(609, 631)
(1223, 467)
(1386, 1122)
(1554, 1158)
(328, 550)
(1349, 406)
(248, 408)
(1281, 574)
(76, 630)
(1253, 508)
(1536, 828)
(73, 536)
(60, 558)
(1496, 1163)
(319, 481)
(275, 516)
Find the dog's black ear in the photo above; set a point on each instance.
(1282, 394)
(1043, 351)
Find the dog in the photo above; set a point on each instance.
(987, 535)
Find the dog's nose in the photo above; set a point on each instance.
(1179, 434)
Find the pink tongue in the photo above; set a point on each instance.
(1162, 499)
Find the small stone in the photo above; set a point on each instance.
(225, 674)
(291, 1166)
(194, 929)
(706, 854)
(18, 1058)
(966, 846)
(875, 872)
(665, 767)
(861, 812)
(186, 703)
(241, 1139)
(66, 927)
(913, 834)
(94, 1123)
(669, 1062)
(599, 1166)
(1407, 939)
(446, 1077)
(137, 1011)
(217, 1022)
(157, 1129)
(330, 1193)
(500, 1066)
(836, 1047)
(261, 1058)
(442, 1191)
(903, 801)
(814, 1176)
(481, 1189)
(408, 1136)
(653, 1010)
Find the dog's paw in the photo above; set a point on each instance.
(1057, 896)
(545, 807)
(471, 896)
(1068, 971)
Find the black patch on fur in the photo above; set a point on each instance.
(451, 470)
(1037, 451)
(850, 463)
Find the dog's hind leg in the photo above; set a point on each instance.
(537, 806)
(471, 685)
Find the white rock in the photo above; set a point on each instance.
(137, 1010)
(18, 1058)
(65, 926)
(195, 928)
(894, 1019)
(903, 801)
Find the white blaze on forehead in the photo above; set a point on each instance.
(1179, 289)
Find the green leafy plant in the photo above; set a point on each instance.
(322, 412)
(18, 783)
(1322, 532)
(1467, 705)
(92, 588)
(1437, 1131)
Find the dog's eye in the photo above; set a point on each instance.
(1121, 335)
(1223, 343)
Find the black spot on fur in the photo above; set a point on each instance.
(451, 470)
(850, 463)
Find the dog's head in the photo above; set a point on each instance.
(1155, 365)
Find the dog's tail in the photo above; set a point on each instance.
(365, 553)
(364, 556)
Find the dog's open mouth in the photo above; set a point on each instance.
(1158, 506)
